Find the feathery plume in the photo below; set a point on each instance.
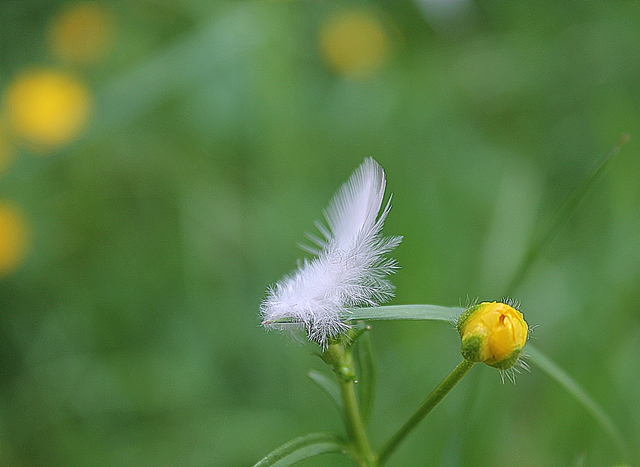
(349, 269)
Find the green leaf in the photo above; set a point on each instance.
(328, 385)
(573, 388)
(394, 313)
(562, 214)
(366, 371)
(302, 448)
(404, 312)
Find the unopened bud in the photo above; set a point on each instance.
(493, 333)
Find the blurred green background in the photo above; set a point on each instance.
(160, 160)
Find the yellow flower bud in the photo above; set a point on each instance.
(493, 333)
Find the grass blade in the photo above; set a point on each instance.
(394, 313)
(566, 209)
(329, 387)
(573, 388)
(366, 371)
(405, 312)
(302, 448)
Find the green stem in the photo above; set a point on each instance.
(355, 426)
(340, 357)
(427, 406)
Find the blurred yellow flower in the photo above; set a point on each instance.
(6, 152)
(47, 107)
(81, 32)
(493, 333)
(13, 238)
(354, 43)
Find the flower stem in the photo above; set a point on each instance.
(427, 406)
(355, 426)
(340, 357)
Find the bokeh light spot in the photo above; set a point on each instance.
(47, 108)
(13, 238)
(7, 154)
(81, 32)
(354, 43)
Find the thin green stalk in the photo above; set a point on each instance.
(427, 406)
(355, 426)
(340, 357)
(566, 209)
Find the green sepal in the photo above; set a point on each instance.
(506, 363)
(464, 317)
(470, 348)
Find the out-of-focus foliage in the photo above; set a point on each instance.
(160, 160)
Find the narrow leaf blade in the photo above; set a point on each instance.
(404, 312)
(579, 394)
(563, 213)
(366, 371)
(329, 387)
(302, 448)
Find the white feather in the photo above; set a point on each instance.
(350, 268)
